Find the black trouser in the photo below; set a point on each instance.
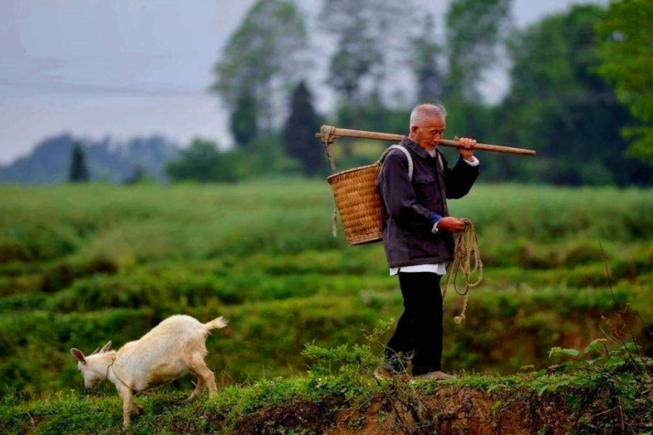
(419, 329)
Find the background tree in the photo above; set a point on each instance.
(78, 172)
(354, 60)
(299, 132)
(364, 43)
(202, 162)
(367, 41)
(429, 77)
(558, 106)
(626, 49)
(137, 176)
(260, 64)
(243, 119)
(474, 30)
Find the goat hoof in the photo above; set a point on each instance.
(138, 409)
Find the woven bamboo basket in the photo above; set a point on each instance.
(359, 203)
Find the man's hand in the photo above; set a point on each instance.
(451, 224)
(467, 151)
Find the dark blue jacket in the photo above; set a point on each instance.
(408, 205)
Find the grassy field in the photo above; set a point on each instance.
(81, 265)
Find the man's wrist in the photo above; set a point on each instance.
(472, 161)
(435, 218)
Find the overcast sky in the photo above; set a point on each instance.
(131, 67)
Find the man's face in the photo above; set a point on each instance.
(430, 133)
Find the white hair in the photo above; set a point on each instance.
(423, 111)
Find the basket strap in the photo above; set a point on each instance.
(406, 153)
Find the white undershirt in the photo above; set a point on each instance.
(439, 268)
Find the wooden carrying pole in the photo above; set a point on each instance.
(328, 134)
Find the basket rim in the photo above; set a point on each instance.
(359, 168)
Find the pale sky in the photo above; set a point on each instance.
(132, 67)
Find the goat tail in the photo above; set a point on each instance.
(220, 322)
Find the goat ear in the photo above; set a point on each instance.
(78, 354)
(106, 347)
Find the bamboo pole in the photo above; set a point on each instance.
(328, 134)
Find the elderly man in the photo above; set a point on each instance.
(417, 236)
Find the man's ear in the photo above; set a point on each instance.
(106, 347)
(78, 354)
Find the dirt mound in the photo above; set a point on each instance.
(458, 412)
(446, 411)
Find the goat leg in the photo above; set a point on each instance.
(127, 397)
(198, 366)
(199, 388)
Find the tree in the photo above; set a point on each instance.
(626, 49)
(244, 120)
(368, 36)
(558, 106)
(366, 40)
(261, 63)
(299, 132)
(78, 172)
(428, 75)
(137, 176)
(202, 162)
(474, 30)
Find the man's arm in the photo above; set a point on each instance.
(460, 179)
(399, 196)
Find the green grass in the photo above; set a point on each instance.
(148, 223)
(350, 399)
(81, 265)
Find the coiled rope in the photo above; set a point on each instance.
(467, 261)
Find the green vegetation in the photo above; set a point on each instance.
(339, 392)
(574, 75)
(80, 265)
(626, 39)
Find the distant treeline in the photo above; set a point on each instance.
(65, 157)
(559, 101)
(581, 94)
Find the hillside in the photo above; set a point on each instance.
(107, 160)
(81, 265)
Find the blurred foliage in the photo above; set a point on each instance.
(80, 265)
(475, 29)
(626, 49)
(359, 64)
(558, 103)
(299, 132)
(78, 172)
(244, 119)
(203, 162)
(429, 75)
(260, 64)
(560, 107)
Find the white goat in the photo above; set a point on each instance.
(174, 347)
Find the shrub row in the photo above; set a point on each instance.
(146, 223)
(504, 330)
